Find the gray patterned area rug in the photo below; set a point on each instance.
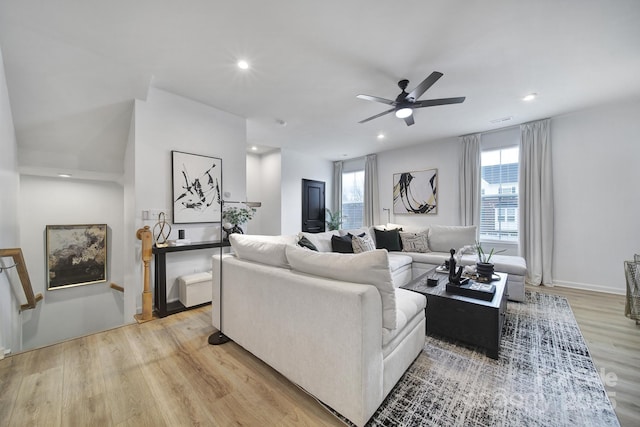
(544, 377)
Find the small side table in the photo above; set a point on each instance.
(465, 319)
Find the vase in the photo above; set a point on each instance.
(484, 269)
(231, 229)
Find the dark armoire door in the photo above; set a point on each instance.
(312, 206)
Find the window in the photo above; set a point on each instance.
(499, 215)
(352, 199)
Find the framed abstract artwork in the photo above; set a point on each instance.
(76, 255)
(197, 183)
(415, 192)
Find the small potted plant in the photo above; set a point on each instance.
(484, 266)
(335, 220)
(234, 216)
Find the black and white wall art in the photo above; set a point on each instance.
(76, 255)
(415, 192)
(197, 183)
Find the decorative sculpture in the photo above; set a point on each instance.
(454, 276)
(160, 234)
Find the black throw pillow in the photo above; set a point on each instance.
(388, 239)
(306, 243)
(342, 244)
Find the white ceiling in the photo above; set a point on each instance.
(74, 67)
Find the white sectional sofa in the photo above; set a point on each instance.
(332, 323)
(407, 265)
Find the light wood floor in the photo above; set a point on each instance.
(163, 373)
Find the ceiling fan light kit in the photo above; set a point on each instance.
(404, 112)
(405, 103)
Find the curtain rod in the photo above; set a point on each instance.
(505, 128)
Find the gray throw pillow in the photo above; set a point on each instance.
(362, 244)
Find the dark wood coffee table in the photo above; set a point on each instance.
(469, 320)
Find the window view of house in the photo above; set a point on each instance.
(352, 199)
(499, 195)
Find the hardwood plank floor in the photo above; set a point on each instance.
(164, 373)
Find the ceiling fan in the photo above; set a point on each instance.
(405, 102)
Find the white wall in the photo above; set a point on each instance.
(442, 155)
(132, 250)
(596, 181)
(268, 192)
(255, 192)
(9, 236)
(596, 167)
(296, 167)
(166, 122)
(70, 312)
(275, 179)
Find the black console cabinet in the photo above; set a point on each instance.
(160, 269)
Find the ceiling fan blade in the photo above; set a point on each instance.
(409, 120)
(377, 115)
(376, 99)
(434, 102)
(426, 84)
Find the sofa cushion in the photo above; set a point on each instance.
(442, 238)
(306, 243)
(322, 241)
(405, 227)
(354, 231)
(368, 267)
(362, 244)
(409, 305)
(388, 239)
(434, 258)
(398, 260)
(414, 242)
(263, 249)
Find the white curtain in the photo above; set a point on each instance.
(470, 180)
(536, 201)
(337, 186)
(371, 199)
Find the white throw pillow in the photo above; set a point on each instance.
(368, 267)
(443, 238)
(362, 244)
(414, 242)
(268, 250)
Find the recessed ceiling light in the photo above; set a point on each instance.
(530, 97)
(243, 65)
(64, 175)
(254, 148)
(381, 135)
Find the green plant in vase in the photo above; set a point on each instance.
(484, 266)
(233, 216)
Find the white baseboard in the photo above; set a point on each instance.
(588, 287)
